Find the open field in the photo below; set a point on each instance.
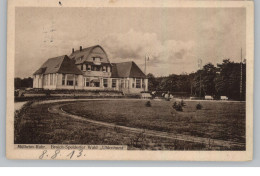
(34, 124)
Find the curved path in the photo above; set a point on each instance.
(211, 142)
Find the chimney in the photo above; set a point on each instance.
(72, 50)
(80, 48)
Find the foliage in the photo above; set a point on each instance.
(148, 104)
(221, 80)
(182, 103)
(23, 83)
(198, 106)
(177, 106)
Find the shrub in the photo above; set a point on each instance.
(198, 106)
(148, 104)
(182, 103)
(177, 106)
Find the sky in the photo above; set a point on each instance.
(173, 38)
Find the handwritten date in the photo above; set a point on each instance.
(57, 153)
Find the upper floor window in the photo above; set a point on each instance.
(89, 67)
(96, 59)
(104, 69)
(80, 59)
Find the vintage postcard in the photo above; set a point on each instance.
(130, 80)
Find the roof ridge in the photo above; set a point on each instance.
(123, 62)
(90, 47)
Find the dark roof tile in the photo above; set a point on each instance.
(61, 64)
(126, 70)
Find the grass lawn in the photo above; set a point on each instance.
(34, 124)
(216, 120)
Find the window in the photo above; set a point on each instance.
(105, 83)
(76, 80)
(113, 83)
(104, 69)
(96, 59)
(95, 82)
(70, 79)
(122, 83)
(86, 82)
(51, 79)
(89, 67)
(143, 83)
(54, 79)
(45, 77)
(133, 84)
(138, 83)
(82, 67)
(63, 79)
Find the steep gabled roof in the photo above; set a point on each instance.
(61, 64)
(126, 70)
(86, 53)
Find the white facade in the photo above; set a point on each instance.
(72, 81)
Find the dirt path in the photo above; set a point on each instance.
(211, 142)
(19, 105)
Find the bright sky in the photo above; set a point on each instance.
(173, 38)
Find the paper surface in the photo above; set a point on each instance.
(130, 80)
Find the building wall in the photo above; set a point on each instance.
(61, 86)
(127, 85)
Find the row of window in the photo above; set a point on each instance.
(95, 59)
(96, 82)
(68, 79)
(87, 67)
(49, 79)
(137, 83)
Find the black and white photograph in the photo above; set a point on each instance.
(130, 77)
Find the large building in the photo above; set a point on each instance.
(90, 69)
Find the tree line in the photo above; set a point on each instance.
(23, 83)
(221, 80)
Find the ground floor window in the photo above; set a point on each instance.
(70, 79)
(95, 82)
(76, 80)
(113, 83)
(138, 83)
(86, 82)
(63, 79)
(122, 83)
(52, 79)
(105, 84)
(143, 83)
(45, 77)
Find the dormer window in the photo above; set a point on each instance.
(96, 59)
(80, 59)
